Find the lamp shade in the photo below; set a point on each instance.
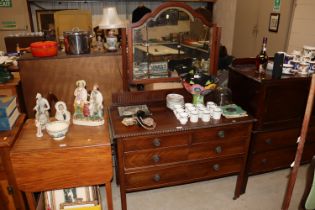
(110, 19)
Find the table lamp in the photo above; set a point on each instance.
(111, 20)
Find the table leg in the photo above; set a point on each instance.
(31, 200)
(109, 198)
(123, 198)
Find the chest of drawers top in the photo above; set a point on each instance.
(166, 123)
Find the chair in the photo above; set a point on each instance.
(308, 199)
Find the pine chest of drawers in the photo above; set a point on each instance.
(173, 154)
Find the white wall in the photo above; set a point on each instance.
(303, 25)
(124, 9)
(224, 16)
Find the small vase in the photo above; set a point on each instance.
(198, 99)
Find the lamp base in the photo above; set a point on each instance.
(111, 43)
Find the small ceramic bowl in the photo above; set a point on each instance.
(57, 129)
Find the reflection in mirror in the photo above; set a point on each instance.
(173, 35)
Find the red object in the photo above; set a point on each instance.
(86, 110)
(44, 49)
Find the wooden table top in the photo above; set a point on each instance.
(83, 158)
(77, 136)
(159, 50)
(7, 138)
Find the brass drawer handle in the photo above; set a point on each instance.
(216, 167)
(157, 177)
(156, 142)
(268, 141)
(218, 149)
(221, 134)
(156, 158)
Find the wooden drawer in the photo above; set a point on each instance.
(217, 149)
(274, 140)
(215, 168)
(182, 174)
(311, 134)
(140, 143)
(155, 156)
(156, 178)
(276, 159)
(232, 132)
(279, 139)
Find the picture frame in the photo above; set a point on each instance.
(274, 22)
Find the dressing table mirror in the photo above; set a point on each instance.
(172, 33)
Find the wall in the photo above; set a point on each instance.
(124, 9)
(302, 29)
(252, 24)
(224, 15)
(19, 9)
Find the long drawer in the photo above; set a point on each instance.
(276, 159)
(208, 150)
(141, 143)
(182, 174)
(219, 134)
(154, 157)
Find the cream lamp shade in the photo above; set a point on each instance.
(110, 19)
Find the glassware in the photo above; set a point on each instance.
(262, 58)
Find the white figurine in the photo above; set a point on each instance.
(39, 132)
(81, 95)
(41, 108)
(62, 114)
(96, 102)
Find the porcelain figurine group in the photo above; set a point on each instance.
(88, 108)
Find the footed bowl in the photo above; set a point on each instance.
(57, 129)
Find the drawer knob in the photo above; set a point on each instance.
(268, 141)
(216, 167)
(156, 142)
(156, 158)
(221, 134)
(157, 177)
(218, 149)
(264, 161)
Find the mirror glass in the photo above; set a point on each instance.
(172, 37)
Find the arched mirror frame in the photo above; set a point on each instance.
(214, 37)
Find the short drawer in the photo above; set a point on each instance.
(276, 159)
(215, 168)
(217, 149)
(231, 132)
(155, 157)
(274, 140)
(140, 143)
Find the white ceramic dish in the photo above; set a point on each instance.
(57, 129)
